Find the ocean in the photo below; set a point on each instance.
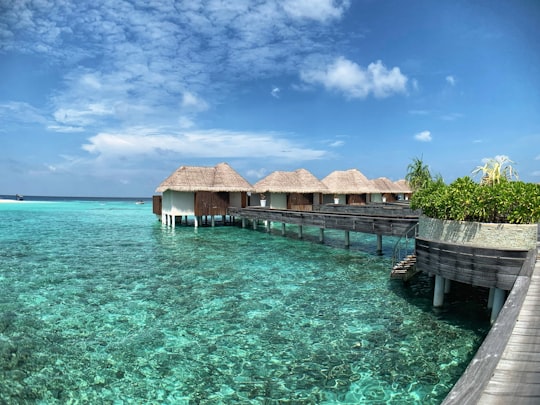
(101, 304)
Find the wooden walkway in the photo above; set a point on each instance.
(506, 368)
(393, 222)
(516, 378)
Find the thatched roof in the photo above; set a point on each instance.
(350, 181)
(197, 178)
(299, 181)
(404, 186)
(384, 185)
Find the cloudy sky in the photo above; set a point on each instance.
(108, 97)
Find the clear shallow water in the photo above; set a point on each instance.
(101, 304)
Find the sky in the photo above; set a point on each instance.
(109, 97)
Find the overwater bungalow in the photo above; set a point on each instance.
(385, 190)
(347, 187)
(201, 192)
(297, 190)
(406, 191)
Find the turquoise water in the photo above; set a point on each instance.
(101, 304)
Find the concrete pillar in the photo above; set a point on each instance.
(499, 296)
(438, 293)
(173, 221)
(283, 228)
(321, 235)
(300, 232)
(267, 225)
(490, 297)
(163, 219)
(447, 285)
(254, 224)
(347, 239)
(243, 222)
(212, 221)
(379, 244)
(196, 223)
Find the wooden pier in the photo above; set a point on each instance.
(506, 368)
(389, 223)
(394, 223)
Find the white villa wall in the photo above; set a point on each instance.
(178, 203)
(278, 201)
(235, 199)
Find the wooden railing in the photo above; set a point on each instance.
(393, 225)
(471, 265)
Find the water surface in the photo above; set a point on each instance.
(101, 304)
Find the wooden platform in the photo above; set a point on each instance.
(506, 368)
(516, 379)
(405, 269)
(389, 223)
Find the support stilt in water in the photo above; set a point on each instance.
(499, 296)
(438, 293)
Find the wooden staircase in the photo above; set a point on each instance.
(404, 256)
(405, 269)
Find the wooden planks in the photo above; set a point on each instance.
(472, 265)
(506, 368)
(392, 224)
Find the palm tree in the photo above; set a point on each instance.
(418, 175)
(496, 169)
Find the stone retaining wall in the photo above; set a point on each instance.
(489, 235)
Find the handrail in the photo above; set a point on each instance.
(403, 244)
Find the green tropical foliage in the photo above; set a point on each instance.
(418, 174)
(496, 169)
(495, 199)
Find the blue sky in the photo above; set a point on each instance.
(108, 97)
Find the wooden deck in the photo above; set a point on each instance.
(390, 223)
(506, 368)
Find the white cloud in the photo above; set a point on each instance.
(192, 102)
(81, 117)
(451, 116)
(320, 10)
(537, 157)
(204, 144)
(451, 80)
(275, 92)
(64, 129)
(424, 136)
(354, 81)
(337, 144)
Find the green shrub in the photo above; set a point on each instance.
(507, 201)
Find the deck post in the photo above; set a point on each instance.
(490, 298)
(243, 222)
(283, 228)
(438, 292)
(300, 232)
(447, 285)
(321, 235)
(499, 296)
(267, 225)
(254, 223)
(347, 239)
(379, 244)
(212, 221)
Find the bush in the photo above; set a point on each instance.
(512, 202)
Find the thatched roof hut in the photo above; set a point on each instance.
(404, 186)
(384, 185)
(221, 178)
(350, 181)
(299, 181)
